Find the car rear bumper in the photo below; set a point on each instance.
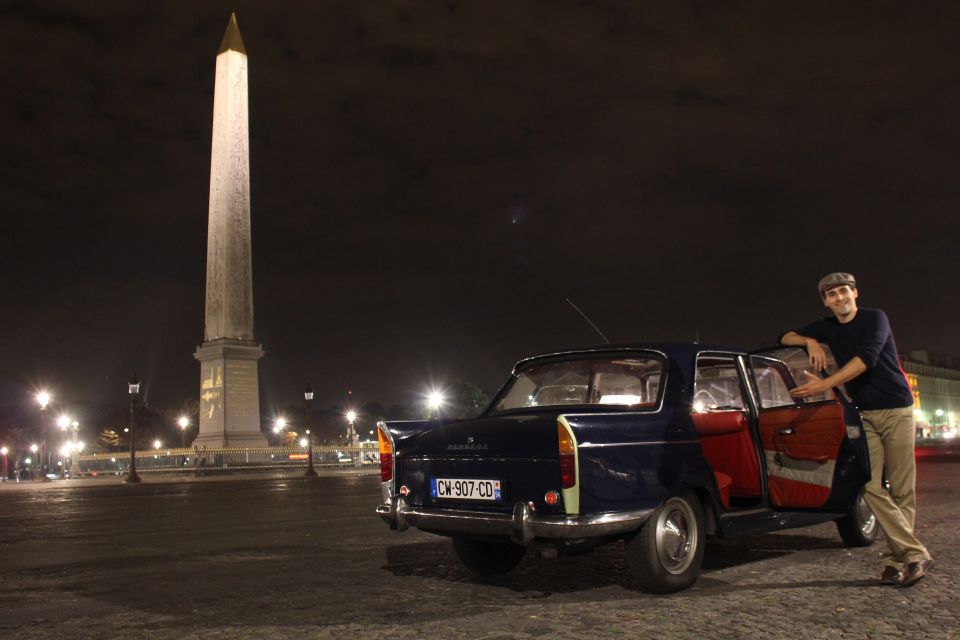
(522, 526)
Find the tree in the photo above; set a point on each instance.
(109, 439)
(466, 400)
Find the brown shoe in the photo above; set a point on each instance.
(916, 570)
(891, 575)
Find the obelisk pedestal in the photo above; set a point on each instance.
(229, 384)
(229, 395)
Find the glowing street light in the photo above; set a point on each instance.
(27, 461)
(352, 418)
(157, 444)
(66, 423)
(279, 424)
(303, 442)
(3, 452)
(435, 401)
(184, 422)
(43, 399)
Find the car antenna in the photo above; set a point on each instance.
(570, 302)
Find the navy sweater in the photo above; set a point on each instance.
(883, 385)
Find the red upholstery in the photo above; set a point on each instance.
(723, 484)
(817, 431)
(728, 447)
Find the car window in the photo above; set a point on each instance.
(798, 363)
(716, 386)
(773, 382)
(624, 381)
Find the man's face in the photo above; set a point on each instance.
(841, 300)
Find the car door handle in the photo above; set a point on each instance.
(786, 431)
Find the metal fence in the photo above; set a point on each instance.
(203, 461)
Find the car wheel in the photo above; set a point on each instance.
(488, 558)
(859, 528)
(666, 554)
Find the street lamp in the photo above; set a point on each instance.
(64, 423)
(4, 451)
(435, 401)
(133, 389)
(43, 399)
(33, 449)
(184, 422)
(308, 398)
(351, 418)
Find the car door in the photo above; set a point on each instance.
(814, 449)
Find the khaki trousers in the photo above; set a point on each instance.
(890, 437)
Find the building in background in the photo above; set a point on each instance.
(935, 382)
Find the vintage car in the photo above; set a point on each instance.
(659, 445)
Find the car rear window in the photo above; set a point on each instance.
(631, 381)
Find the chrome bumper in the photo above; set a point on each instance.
(522, 526)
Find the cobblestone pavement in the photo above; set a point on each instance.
(293, 558)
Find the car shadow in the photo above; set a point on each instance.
(726, 554)
(604, 566)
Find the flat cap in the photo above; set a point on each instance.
(837, 279)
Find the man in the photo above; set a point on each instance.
(862, 343)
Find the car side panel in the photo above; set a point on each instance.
(631, 461)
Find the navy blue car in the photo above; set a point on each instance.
(657, 444)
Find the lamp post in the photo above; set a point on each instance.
(34, 448)
(184, 422)
(308, 397)
(435, 401)
(43, 399)
(4, 451)
(351, 419)
(133, 389)
(64, 423)
(75, 449)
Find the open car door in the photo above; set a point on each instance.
(815, 450)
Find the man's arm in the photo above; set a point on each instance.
(816, 385)
(818, 357)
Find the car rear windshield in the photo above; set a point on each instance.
(622, 381)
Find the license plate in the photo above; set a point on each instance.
(465, 489)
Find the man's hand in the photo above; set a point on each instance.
(815, 385)
(818, 357)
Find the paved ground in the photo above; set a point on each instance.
(274, 557)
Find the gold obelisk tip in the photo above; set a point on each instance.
(231, 39)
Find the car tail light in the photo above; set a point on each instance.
(386, 454)
(568, 461)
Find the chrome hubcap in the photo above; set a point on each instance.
(676, 536)
(867, 519)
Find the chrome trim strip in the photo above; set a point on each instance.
(597, 445)
(522, 525)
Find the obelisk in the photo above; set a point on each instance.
(229, 384)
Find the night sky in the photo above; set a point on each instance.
(431, 181)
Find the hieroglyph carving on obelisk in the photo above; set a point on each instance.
(229, 384)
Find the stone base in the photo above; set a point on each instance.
(246, 441)
(229, 395)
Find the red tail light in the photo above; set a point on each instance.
(386, 454)
(568, 461)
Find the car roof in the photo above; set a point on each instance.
(679, 350)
